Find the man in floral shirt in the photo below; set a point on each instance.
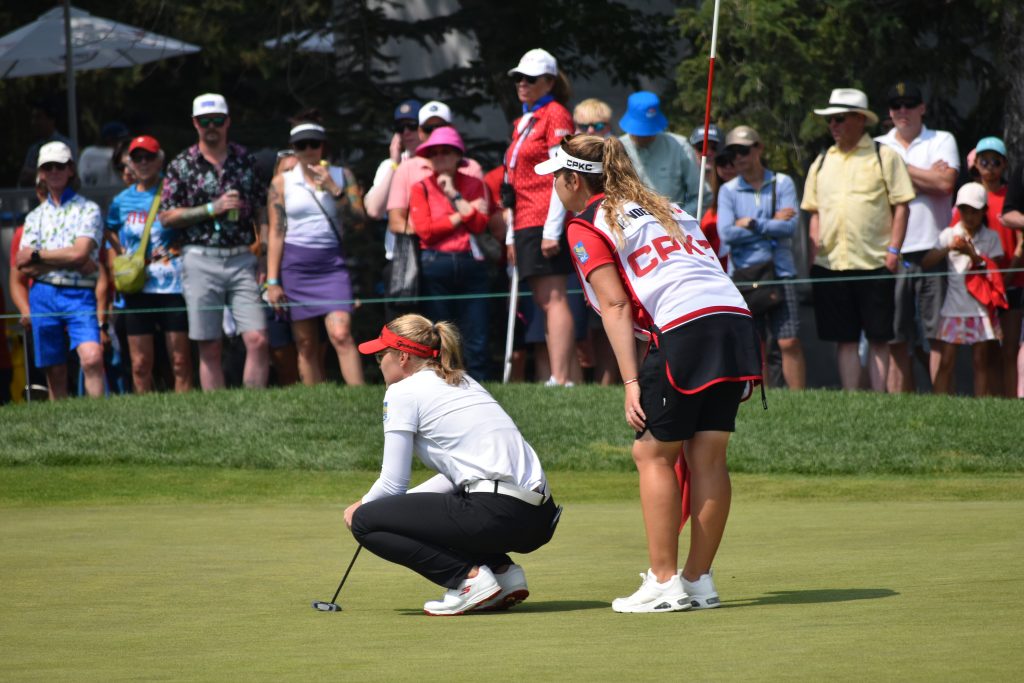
(214, 197)
(60, 250)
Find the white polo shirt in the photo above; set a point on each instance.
(459, 431)
(929, 213)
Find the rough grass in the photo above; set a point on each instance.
(580, 429)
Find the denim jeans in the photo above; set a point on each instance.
(446, 274)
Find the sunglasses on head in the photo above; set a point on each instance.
(896, 105)
(53, 166)
(519, 78)
(307, 144)
(835, 118)
(430, 129)
(739, 150)
(990, 163)
(406, 126)
(142, 156)
(211, 121)
(598, 126)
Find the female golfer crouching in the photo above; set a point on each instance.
(649, 272)
(490, 496)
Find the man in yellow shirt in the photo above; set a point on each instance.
(857, 194)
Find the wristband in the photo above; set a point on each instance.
(631, 381)
(893, 250)
(209, 208)
(273, 282)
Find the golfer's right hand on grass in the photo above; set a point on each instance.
(634, 413)
(349, 511)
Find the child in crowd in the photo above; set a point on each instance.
(969, 248)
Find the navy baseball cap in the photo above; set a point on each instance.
(408, 110)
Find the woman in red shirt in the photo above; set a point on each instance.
(446, 210)
(537, 245)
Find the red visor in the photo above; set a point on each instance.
(390, 340)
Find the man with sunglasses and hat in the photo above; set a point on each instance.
(214, 197)
(857, 193)
(933, 163)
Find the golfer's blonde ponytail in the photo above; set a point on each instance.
(443, 336)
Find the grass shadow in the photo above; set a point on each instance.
(539, 607)
(810, 597)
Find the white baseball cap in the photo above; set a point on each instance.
(435, 108)
(209, 103)
(54, 152)
(536, 62)
(971, 194)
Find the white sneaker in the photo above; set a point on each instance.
(702, 592)
(655, 597)
(466, 596)
(513, 590)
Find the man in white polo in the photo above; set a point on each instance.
(933, 162)
(213, 195)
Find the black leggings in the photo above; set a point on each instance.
(442, 536)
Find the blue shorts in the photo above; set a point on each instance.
(56, 310)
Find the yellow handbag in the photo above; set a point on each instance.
(130, 270)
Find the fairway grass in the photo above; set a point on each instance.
(162, 584)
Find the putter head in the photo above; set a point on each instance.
(326, 606)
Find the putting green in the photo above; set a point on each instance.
(812, 589)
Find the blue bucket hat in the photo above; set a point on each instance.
(643, 115)
(991, 144)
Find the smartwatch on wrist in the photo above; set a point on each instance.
(36, 257)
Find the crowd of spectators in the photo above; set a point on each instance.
(898, 270)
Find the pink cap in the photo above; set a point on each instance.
(444, 136)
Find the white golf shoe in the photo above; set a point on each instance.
(655, 597)
(466, 596)
(702, 592)
(513, 590)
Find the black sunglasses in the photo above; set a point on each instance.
(439, 150)
(53, 166)
(406, 127)
(990, 163)
(518, 78)
(307, 144)
(142, 156)
(896, 105)
(598, 126)
(739, 150)
(430, 129)
(837, 118)
(211, 121)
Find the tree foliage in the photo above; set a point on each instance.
(779, 59)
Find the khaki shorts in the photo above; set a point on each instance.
(214, 278)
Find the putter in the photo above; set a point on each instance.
(332, 606)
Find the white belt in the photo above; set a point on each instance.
(220, 252)
(61, 281)
(505, 489)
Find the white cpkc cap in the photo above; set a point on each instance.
(210, 103)
(435, 108)
(536, 62)
(563, 159)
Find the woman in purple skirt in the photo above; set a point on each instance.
(306, 274)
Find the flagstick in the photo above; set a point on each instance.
(707, 113)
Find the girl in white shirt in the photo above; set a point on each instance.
(965, 320)
(490, 496)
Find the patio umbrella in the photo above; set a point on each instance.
(96, 43)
